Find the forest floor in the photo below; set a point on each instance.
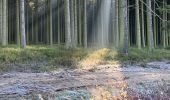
(104, 82)
(54, 72)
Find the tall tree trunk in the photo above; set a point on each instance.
(7, 20)
(123, 43)
(121, 24)
(154, 25)
(138, 30)
(27, 36)
(75, 23)
(72, 21)
(85, 24)
(1, 22)
(80, 23)
(4, 34)
(149, 26)
(117, 22)
(166, 28)
(126, 39)
(67, 24)
(51, 23)
(142, 23)
(32, 33)
(36, 27)
(22, 23)
(47, 23)
(163, 26)
(58, 24)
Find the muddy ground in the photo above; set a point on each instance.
(104, 82)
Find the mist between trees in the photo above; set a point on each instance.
(86, 23)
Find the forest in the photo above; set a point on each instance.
(84, 49)
(86, 23)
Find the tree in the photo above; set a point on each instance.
(164, 25)
(142, 24)
(51, 23)
(123, 25)
(72, 22)
(154, 25)
(67, 24)
(17, 22)
(75, 23)
(138, 30)
(58, 25)
(22, 23)
(149, 26)
(126, 39)
(4, 29)
(117, 22)
(1, 21)
(85, 24)
(80, 23)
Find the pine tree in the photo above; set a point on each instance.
(67, 24)
(1, 22)
(149, 26)
(4, 29)
(85, 24)
(51, 23)
(17, 22)
(138, 30)
(22, 23)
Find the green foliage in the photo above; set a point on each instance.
(33, 57)
(144, 55)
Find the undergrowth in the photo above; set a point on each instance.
(47, 58)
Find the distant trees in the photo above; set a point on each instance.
(140, 23)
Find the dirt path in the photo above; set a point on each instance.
(123, 81)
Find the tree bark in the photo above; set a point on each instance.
(67, 24)
(75, 23)
(117, 22)
(1, 22)
(51, 23)
(72, 21)
(22, 22)
(138, 30)
(85, 24)
(4, 29)
(58, 23)
(126, 39)
(149, 26)
(142, 23)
